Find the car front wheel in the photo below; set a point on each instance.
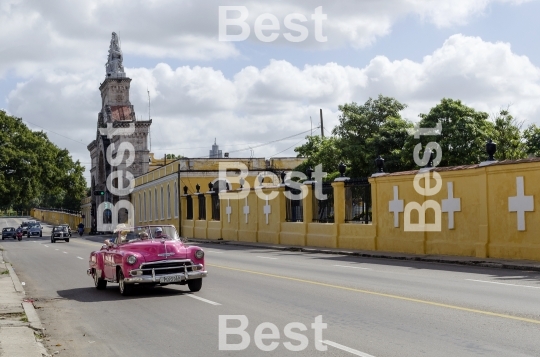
(100, 283)
(125, 289)
(195, 284)
(67, 240)
(53, 240)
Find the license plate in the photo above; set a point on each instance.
(171, 279)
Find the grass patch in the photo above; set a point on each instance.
(24, 319)
(4, 272)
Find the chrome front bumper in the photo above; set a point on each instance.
(156, 278)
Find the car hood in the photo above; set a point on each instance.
(157, 250)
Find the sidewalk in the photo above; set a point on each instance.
(526, 265)
(20, 327)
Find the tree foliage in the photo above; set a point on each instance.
(318, 150)
(531, 136)
(371, 129)
(507, 135)
(465, 132)
(34, 171)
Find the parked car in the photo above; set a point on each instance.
(149, 255)
(59, 232)
(35, 230)
(8, 232)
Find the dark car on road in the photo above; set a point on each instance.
(59, 232)
(8, 232)
(35, 229)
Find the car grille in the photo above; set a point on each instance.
(169, 267)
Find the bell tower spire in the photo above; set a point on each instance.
(115, 66)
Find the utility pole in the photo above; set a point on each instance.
(322, 125)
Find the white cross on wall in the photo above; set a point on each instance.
(267, 209)
(396, 206)
(246, 210)
(228, 210)
(451, 205)
(520, 204)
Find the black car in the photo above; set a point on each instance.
(8, 232)
(60, 232)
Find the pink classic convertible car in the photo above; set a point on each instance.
(147, 255)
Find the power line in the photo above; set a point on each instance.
(79, 142)
(288, 148)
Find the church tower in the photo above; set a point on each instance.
(116, 112)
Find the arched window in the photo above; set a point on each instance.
(175, 200)
(168, 201)
(162, 204)
(156, 204)
(150, 199)
(144, 200)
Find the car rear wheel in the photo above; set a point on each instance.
(125, 289)
(100, 283)
(195, 284)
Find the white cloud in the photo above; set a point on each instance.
(70, 36)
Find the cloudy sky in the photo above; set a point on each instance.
(252, 92)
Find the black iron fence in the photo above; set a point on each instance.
(293, 207)
(215, 206)
(358, 201)
(189, 213)
(323, 208)
(202, 207)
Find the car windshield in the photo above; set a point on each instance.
(9, 229)
(59, 229)
(147, 232)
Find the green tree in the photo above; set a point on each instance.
(507, 135)
(372, 129)
(318, 150)
(465, 132)
(34, 171)
(531, 135)
(174, 157)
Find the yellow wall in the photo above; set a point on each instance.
(483, 227)
(56, 218)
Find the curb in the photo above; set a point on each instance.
(476, 263)
(28, 305)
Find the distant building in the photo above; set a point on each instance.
(215, 153)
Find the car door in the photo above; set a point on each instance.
(109, 266)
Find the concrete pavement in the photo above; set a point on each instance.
(20, 327)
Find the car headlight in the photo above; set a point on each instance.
(132, 259)
(199, 254)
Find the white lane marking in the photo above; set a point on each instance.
(80, 258)
(56, 249)
(347, 266)
(495, 282)
(65, 252)
(213, 251)
(201, 299)
(346, 349)
(45, 245)
(265, 257)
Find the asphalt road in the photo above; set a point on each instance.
(371, 307)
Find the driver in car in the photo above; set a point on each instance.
(158, 233)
